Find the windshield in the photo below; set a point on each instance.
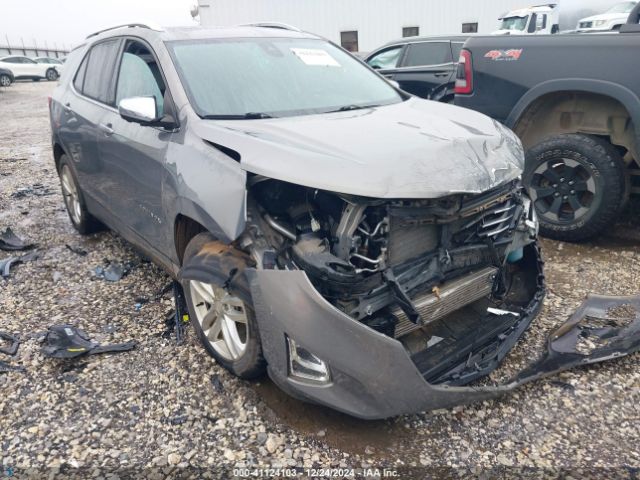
(624, 7)
(275, 77)
(514, 23)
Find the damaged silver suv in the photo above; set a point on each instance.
(373, 251)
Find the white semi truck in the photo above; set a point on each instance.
(562, 16)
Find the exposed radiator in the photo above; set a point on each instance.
(451, 296)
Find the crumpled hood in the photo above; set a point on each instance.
(413, 149)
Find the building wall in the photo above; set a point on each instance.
(377, 21)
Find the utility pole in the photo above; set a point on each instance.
(8, 44)
(24, 50)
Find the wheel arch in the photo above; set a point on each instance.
(578, 106)
(184, 229)
(58, 152)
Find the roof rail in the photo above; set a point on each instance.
(282, 26)
(148, 25)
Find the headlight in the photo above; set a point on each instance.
(599, 23)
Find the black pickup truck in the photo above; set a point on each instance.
(574, 101)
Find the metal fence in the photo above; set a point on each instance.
(33, 50)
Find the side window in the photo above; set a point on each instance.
(29, 61)
(541, 22)
(386, 59)
(140, 76)
(99, 71)
(78, 82)
(428, 53)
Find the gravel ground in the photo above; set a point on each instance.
(163, 410)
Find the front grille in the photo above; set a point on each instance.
(450, 297)
(493, 223)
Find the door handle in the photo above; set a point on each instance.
(106, 129)
(67, 108)
(442, 74)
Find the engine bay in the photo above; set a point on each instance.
(402, 267)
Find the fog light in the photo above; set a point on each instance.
(305, 365)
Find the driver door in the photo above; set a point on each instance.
(133, 155)
(387, 60)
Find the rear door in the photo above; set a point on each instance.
(33, 68)
(84, 106)
(132, 155)
(425, 67)
(386, 60)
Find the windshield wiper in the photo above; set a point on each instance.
(347, 108)
(244, 116)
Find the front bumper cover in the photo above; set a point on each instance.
(374, 377)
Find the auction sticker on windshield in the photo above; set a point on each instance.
(315, 56)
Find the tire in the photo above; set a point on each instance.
(249, 362)
(74, 202)
(52, 75)
(577, 184)
(5, 80)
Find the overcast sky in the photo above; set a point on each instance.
(69, 21)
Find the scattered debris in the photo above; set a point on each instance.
(10, 241)
(37, 189)
(177, 320)
(217, 384)
(67, 341)
(113, 271)
(77, 250)
(7, 263)
(7, 367)
(14, 343)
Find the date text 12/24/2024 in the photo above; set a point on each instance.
(315, 473)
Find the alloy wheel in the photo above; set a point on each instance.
(562, 190)
(70, 194)
(5, 81)
(222, 317)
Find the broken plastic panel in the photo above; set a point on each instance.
(601, 329)
(67, 341)
(9, 241)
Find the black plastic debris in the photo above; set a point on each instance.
(13, 344)
(67, 341)
(113, 271)
(602, 328)
(7, 367)
(77, 250)
(177, 320)
(37, 189)
(11, 242)
(7, 263)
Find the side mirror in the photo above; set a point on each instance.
(375, 67)
(139, 110)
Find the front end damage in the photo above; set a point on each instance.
(448, 284)
(381, 307)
